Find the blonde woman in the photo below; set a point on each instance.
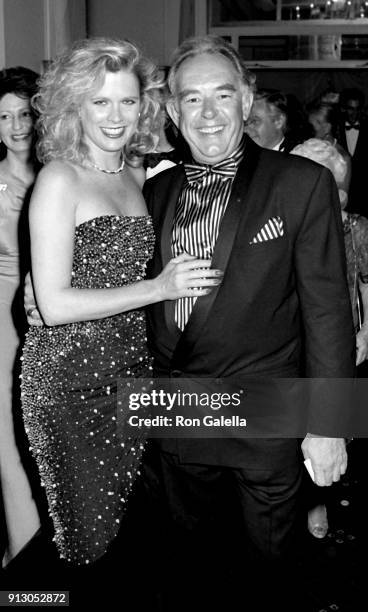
(91, 238)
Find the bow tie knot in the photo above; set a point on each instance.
(224, 169)
(349, 126)
(153, 159)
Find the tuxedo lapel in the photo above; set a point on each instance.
(174, 189)
(343, 140)
(229, 226)
(361, 142)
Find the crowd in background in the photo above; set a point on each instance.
(280, 121)
(334, 132)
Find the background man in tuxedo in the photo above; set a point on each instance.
(275, 121)
(273, 225)
(353, 136)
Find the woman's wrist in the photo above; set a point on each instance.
(155, 291)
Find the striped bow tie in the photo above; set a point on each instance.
(224, 169)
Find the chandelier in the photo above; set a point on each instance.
(324, 9)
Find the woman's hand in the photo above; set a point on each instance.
(186, 276)
(33, 316)
(362, 344)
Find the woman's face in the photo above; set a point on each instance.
(321, 127)
(16, 123)
(109, 115)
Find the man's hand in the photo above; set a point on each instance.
(328, 458)
(33, 316)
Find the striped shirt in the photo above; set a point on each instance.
(198, 216)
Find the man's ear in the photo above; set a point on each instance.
(171, 107)
(247, 101)
(280, 122)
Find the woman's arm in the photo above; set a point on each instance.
(346, 182)
(360, 237)
(52, 227)
(362, 335)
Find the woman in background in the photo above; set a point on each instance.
(356, 249)
(17, 174)
(355, 236)
(324, 119)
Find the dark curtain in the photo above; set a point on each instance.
(307, 85)
(187, 22)
(247, 10)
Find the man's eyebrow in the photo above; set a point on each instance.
(187, 92)
(223, 86)
(228, 86)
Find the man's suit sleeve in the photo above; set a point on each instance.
(329, 338)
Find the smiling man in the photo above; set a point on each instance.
(272, 224)
(210, 111)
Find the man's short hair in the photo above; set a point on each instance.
(275, 99)
(351, 93)
(288, 106)
(198, 45)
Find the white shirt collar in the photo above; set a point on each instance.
(278, 145)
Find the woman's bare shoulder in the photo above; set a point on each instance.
(57, 187)
(59, 171)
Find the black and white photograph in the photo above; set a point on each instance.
(184, 305)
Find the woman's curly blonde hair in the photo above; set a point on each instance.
(79, 71)
(325, 154)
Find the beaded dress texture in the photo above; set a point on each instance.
(86, 456)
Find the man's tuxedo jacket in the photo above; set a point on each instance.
(282, 309)
(358, 185)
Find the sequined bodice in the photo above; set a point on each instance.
(111, 251)
(71, 377)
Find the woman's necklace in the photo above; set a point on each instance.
(96, 167)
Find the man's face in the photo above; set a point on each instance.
(352, 110)
(265, 126)
(210, 107)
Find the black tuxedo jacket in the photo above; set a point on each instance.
(283, 307)
(359, 166)
(362, 142)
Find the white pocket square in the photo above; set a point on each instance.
(274, 228)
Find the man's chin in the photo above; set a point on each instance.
(210, 155)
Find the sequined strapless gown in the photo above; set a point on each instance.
(70, 379)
